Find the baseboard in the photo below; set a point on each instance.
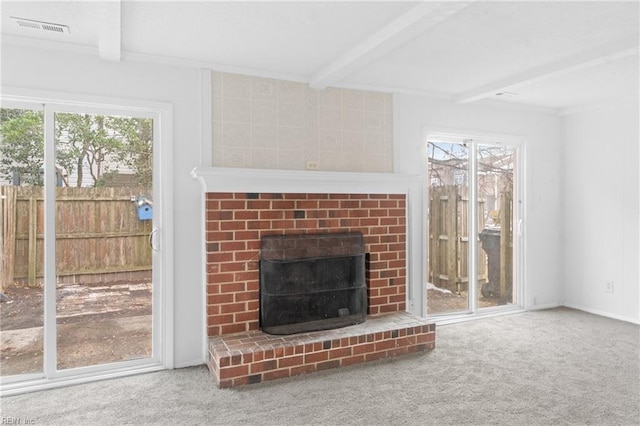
(191, 363)
(542, 307)
(602, 313)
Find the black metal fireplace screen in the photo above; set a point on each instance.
(312, 282)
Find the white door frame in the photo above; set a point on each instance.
(519, 142)
(163, 336)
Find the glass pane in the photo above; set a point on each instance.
(21, 241)
(447, 289)
(496, 173)
(103, 221)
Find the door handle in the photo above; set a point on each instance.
(152, 240)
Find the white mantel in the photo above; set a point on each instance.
(219, 179)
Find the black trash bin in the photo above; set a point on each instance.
(490, 239)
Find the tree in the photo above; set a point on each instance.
(89, 147)
(85, 140)
(22, 145)
(137, 149)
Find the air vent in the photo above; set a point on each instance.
(41, 26)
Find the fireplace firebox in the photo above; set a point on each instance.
(312, 282)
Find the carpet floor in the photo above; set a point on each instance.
(552, 367)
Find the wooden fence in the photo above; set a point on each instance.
(449, 239)
(98, 235)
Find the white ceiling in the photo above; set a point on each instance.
(554, 54)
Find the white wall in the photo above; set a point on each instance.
(601, 210)
(86, 74)
(414, 115)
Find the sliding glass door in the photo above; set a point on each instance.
(473, 240)
(82, 282)
(103, 222)
(496, 174)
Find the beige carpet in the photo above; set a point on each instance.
(551, 367)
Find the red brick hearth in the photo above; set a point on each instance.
(253, 357)
(236, 222)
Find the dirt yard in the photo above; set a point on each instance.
(439, 302)
(97, 324)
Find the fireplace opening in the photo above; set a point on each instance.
(312, 282)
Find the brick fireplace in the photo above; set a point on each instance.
(236, 221)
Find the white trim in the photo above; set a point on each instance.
(602, 313)
(206, 160)
(16, 104)
(477, 136)
(163, 296)
(188, 63)
(100, 369)
(543, 307)
(146, 58)
(50, 355)
(520, 225)
(163, 190)
(197, 362)
(203, 284)
(421, 257)
(472, 223)
(393, 89)
(44, 384)
(41, 44)
(218, 179)
(73, 101)
(221, 179)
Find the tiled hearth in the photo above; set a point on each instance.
(239, 353)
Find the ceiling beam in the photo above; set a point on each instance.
(597, 56)
(402, 29)
(110, 32)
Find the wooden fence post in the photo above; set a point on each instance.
(452, 237)
(33, 230)
(506, 245)
(433, 227)
(7, 234)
